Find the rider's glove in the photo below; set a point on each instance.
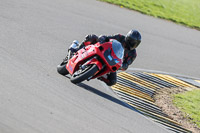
(123, 67)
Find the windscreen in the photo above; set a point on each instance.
(118, 49)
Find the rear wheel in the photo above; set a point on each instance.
(84, 74)
(61, 69)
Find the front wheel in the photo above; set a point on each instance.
(84, 74)
(61, 69)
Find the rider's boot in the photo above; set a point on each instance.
(109, 79)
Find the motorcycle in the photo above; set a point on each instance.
(93, 61)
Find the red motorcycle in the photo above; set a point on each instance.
(93, 61)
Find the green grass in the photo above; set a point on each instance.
(186, 12)
(189, 102)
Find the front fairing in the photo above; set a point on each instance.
(115, 54)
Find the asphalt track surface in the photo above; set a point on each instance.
(34, 36)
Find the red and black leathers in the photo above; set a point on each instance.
(129, 55)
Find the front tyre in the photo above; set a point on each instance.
(82, 75)
(61, 69)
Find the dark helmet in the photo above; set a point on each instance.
(132, 39)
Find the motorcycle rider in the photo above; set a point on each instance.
(130, 42)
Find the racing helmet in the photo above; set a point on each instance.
(132, 39)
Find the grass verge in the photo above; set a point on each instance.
(189, 103)
(184, 12)
(164, 99)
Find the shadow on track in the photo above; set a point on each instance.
(106, 96)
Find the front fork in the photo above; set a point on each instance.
(69, 55)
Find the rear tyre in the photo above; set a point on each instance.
(82, 75)
(61, 69)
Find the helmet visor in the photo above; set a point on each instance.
(132, 44)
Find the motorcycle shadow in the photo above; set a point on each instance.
(106, 96)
